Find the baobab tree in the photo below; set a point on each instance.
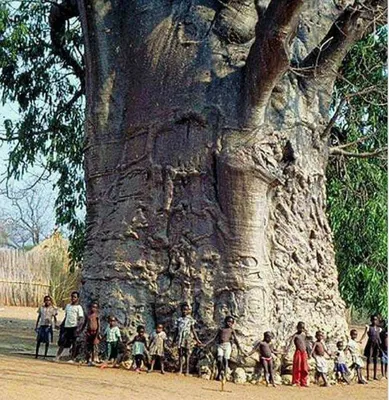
(207, 133)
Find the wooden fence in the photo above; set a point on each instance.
(24, 278)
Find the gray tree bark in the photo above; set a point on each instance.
(206, 152)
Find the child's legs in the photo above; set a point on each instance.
(38, 344)
(270, 369)
(181, 352)
(367, 367)
(375, 361)
(265, 367)
(162, 362)
(138, 360)
(153, 358)
(297, 368)
(109, 350)
(46, 348)
(114, 350)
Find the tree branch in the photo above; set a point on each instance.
(354, 22)
(336, 151)
(268, 58)
(345, 99)
(353, 143)
(59, 14)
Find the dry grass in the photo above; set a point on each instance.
(26, 277)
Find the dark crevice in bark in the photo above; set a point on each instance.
(215, 182)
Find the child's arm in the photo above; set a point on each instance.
(289, 343)
(237, 342)
(37, 320)
(255, 348)
(313, 353)
(212, 340)
(326, 350)
(80, 320)
(55, 320)
(364, 334)
(195, 335)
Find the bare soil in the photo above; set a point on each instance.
(21, 375)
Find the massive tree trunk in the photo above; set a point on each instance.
(205, 160)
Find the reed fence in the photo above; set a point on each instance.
(24, 277)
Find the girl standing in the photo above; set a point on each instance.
(157, 347)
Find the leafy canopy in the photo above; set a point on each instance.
(357, 187)
(50, 105)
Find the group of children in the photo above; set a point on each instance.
(154, 349)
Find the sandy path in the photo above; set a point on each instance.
(22, 377)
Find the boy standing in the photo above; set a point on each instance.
(300, 358)
(71, 326)
(223, 338)
(318, 351)
(266, 351)
(46, 314)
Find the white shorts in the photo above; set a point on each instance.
(224, 350)
(321, 365)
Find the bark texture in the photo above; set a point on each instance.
(205, 163)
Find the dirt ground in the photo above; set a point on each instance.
(21, 375)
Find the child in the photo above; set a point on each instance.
(266, 351)
(300, 358)
(318, 351)
(223, 339)
(355, 351)
(384, 351)
(139, 347)
(92, 334)
(372, 348)
(157, 347)
(71, 326)
(184, 327)
(112, 336)
(340, 363)
(46, 314)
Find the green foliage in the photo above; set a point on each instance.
(50, 107)
(357, 187)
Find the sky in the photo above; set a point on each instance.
(45, 188)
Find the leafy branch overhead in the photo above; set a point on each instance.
(47, 93)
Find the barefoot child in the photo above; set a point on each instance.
(223, 338)
(341, 369)
(44, 325)
(300, 358)
(112, 337)
(354, 348)
(372, 348)
(184, 330)
(71, 326)
(318, 351)
(266, 351)
(139, 347)
(92, 334)
(157, 347)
